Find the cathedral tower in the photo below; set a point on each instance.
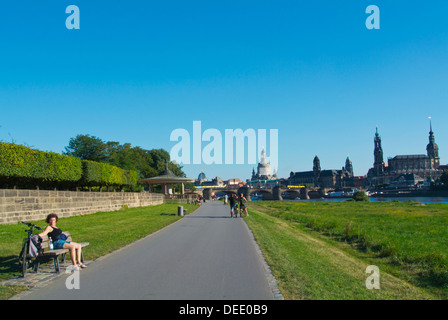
(432, 148)
(316, 165)
(378, 164)
(316, 171)
(349, 166)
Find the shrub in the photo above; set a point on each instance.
(26, 167)
(360, 196)
(18, 163)
(104, 174)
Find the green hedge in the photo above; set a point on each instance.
(17, 161)
(25, 166)
(104, 174)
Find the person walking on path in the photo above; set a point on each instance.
(243, 201)
(233, 205)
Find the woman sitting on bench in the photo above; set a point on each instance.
(59, 242)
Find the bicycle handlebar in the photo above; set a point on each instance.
(31, 225)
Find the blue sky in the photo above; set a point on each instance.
(137, 70)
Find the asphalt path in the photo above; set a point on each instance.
(206, 255)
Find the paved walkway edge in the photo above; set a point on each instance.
(273, 283)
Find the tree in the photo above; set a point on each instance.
(360, 196)
(148, 163)
(160, 157)
(87, 147)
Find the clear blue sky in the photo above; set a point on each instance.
(137, 70)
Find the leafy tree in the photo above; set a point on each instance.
(360, 196)
(87, 147)
(190, 186)
(148, 163)
(160, 157)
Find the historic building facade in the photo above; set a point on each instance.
(263, 170)
(264, 177)
(202, 181)
(324, 178)
(422, 166)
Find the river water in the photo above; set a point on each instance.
(387, 199)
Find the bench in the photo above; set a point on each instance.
(55, 253)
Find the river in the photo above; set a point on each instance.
(386, 199)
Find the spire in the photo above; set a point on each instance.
(378, 163)
(348, 165)
(348, 161)
(431, 133)
(432, 148)
(430, 126)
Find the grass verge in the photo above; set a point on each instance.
(320, 250)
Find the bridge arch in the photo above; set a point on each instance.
(266, 193)
(220, 193)
(275, 193)
(291, 193)
(208, 192)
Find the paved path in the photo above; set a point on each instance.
(206, 255)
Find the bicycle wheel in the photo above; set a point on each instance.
(24, 258)
(21, 256)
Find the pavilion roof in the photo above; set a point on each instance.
(167, 176)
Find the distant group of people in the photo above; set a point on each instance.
(199, 201)
(234, 201)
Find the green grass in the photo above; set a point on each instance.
(106, 232)
(320, 250)
(7, 292)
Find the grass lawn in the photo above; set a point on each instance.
(320, 250)
(106, 232)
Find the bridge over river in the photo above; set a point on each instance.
(274, 193)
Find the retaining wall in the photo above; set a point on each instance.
(28, 205)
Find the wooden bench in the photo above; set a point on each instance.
(55, 253)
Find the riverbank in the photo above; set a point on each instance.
(426, 200)
(410, 193)
(320, 249)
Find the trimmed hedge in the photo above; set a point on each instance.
(17, 161)
(26, 166)
(104, 174)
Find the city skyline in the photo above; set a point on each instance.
(273, 169)
(134, 73)
(386, 158)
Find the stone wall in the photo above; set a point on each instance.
(29, 205)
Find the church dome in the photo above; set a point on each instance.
(202, 176)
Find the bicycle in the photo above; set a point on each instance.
(24, 258)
